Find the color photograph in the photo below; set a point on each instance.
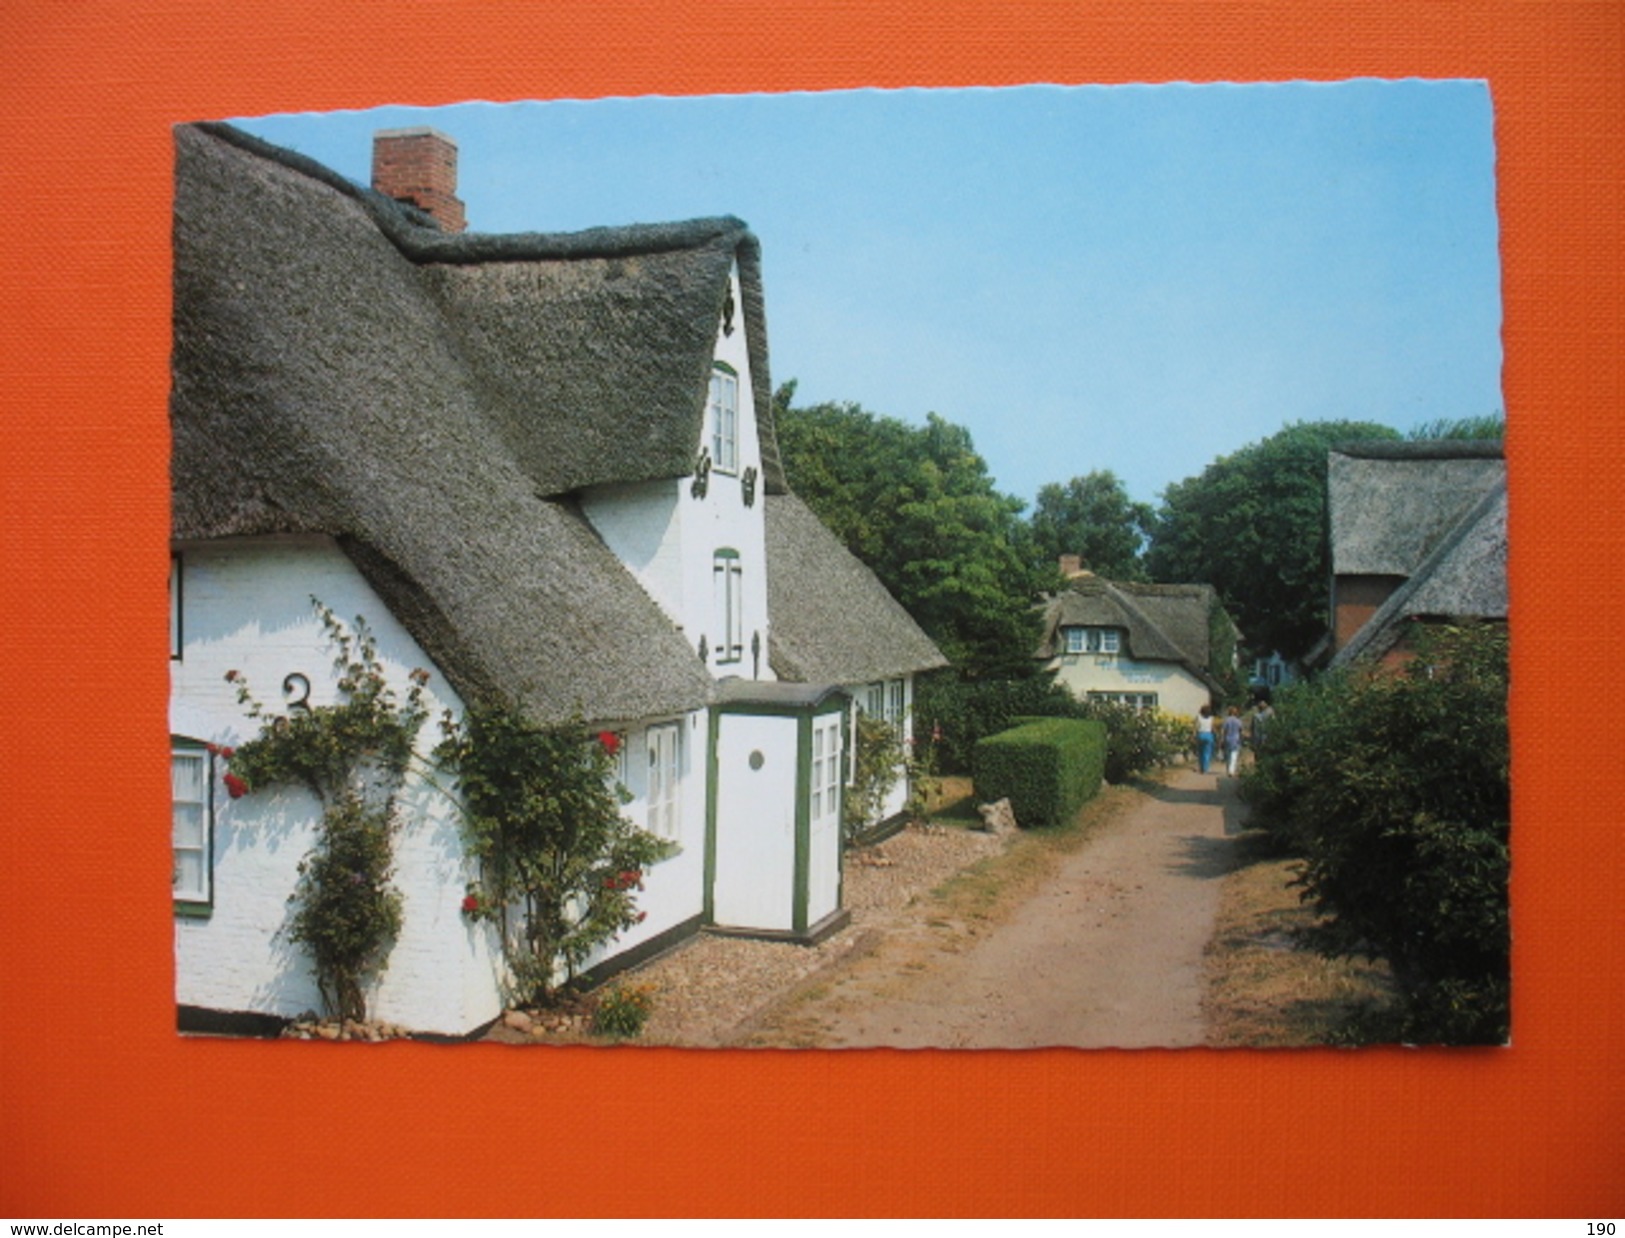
(957, 568)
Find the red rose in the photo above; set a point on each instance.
(236, 787)
(228, 753)
(610, 741)
(471, 903)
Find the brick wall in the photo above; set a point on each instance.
(419, 166)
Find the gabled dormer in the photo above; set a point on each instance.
(697, 542)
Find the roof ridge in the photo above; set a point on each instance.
(1422, 449)
(408, 231)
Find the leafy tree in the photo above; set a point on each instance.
(1092, 516)
(916, 504)
(1252, 524)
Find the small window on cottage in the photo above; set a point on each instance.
(665, 769)
(885, 700)
(191, 777)
(1093, 640)
(728, 600)
(894, 702)
(723, 407)
(874, 700)
(1138, 700)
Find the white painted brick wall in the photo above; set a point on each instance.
(246, 607)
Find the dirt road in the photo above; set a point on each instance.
(1108, 952)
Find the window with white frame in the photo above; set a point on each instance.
(885, 700)
(826, 765)
(728, 600)
(723, 410)
(1139, 700)
(191, 794)
(665, 776)
(1093, 640)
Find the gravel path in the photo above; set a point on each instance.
(1107, 953)
(713, 991)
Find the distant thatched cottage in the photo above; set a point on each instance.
(543, 467)
(1418, 535)
(1150, 646)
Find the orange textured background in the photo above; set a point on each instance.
(105, 1112)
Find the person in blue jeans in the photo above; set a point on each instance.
(1231, 738)
(1204, 738)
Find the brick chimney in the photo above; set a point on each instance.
(419, 166)
(1072, 566)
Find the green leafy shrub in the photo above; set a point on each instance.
(877, 764)
(1394, 788)
(957, 714)
(560, 867)
(353, 755)
(1047, 769)
(1137, 740)
(623, 1010)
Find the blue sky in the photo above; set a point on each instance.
(1134, 278)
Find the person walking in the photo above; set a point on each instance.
(1263, 715)
(1204, 738)
(1231, 738)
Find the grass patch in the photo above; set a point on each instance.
(991, 888)
(953, 802)
(1264, 989)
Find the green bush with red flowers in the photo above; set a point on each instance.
(560, 867)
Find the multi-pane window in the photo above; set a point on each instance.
(826, 766)
(665, 769)
(723, 409)
(1139, 700)
(191, 806)
(885, 700)
(728, 599)
(1093, 640)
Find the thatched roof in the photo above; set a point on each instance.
(1462, 576)
(1389, 504)
(1162, 623)
(833, 621)
(340, 367)
(432, 402)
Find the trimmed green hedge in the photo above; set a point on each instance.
(1047, 768)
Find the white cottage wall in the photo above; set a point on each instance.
(674, 888)
(896, 799)
(245, 606)
(1178, 691)
(681, 545)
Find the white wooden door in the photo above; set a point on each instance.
(824, 841)
(754, 883)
